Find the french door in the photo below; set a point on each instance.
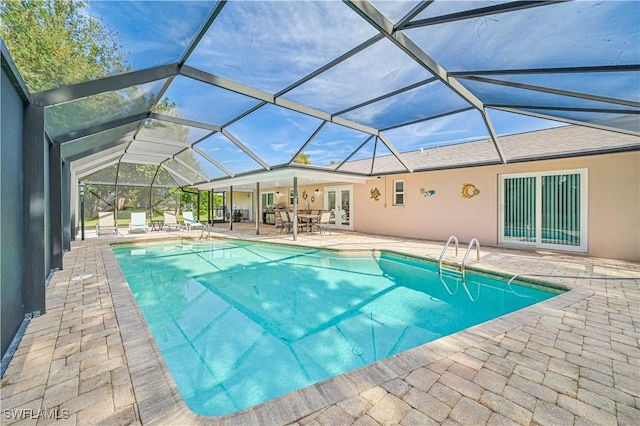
(545, 209)
(339, 200)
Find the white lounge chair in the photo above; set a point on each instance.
(171, 221)
(138, 222)
(190, 222)
(106, 224)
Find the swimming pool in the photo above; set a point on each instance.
(240, 323)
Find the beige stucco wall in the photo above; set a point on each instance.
(613, 203)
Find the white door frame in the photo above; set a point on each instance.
(584, 230)
(339, 204)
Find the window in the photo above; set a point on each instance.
(291, 196)
(398, 193)
(267, 199)
(547, 209)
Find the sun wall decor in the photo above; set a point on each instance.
(469, 190)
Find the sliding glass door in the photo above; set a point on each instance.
(546, 209)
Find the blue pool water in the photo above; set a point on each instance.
(239, 323)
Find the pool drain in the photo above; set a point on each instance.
(81, 277)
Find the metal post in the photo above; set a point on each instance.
(295, 208)
(231, 208)
(257, 208)
(198, 202)
(82, 186)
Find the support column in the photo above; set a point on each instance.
(55, 205)
(231, 208)
(198, 204)
(258, 210)
(33, 148)
(67, 232)
(295, 208)
(73, 205)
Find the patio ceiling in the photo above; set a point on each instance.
(258, 83)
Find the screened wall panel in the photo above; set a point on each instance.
(287, 41)
(280, 143)
(333, 144)
(136, 174)
(205, 102)
(359, 79)
(584, 33)
(152, 39)
(98, 198)
(201, 164)
(104, 176)
(101, 108)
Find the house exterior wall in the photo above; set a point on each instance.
(613, 203)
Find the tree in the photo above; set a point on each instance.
(54, 43)
(302, 158)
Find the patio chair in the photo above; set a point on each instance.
(138, 222)
(106, 224)
(170, 221)
(323, 222)
(190, 222)
(285, 221)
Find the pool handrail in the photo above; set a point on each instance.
(464, 259)
(444, 250)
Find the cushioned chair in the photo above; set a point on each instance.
(106, 224)
(170, 221)
(323, 222)
(285, 221)
(138, 223)
(190, 222)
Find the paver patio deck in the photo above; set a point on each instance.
(571, 360)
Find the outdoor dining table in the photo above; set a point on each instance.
(309, 218)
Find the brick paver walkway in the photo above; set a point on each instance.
(572, 360)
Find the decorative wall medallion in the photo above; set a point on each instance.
(375, 194)
(313, 198)
(469, 190)
(304, 194)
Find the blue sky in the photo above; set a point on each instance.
(270, 45)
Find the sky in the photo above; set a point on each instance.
(270, 45)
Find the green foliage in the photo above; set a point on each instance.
(54, 43)
(302, 158)
(57, 42)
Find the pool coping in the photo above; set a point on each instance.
(159, 400)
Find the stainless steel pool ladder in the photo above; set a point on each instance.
(204, 229)
(444, 250)
(464, 259)
(474, 241)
